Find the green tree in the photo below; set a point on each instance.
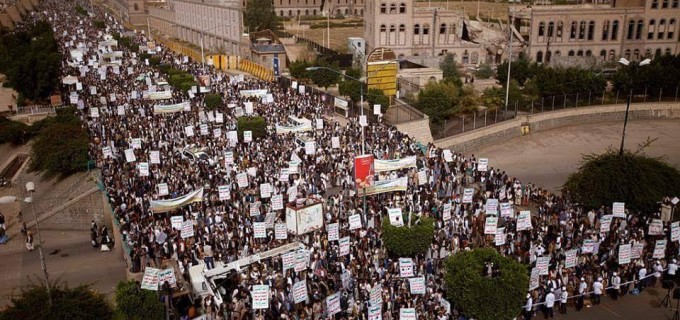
(450, 69)
(298, 69)
(79, 303)
(377, 96)
(497, 297)
(324, 77)
(61, 147)
(485, 71)
(493, 97)
(255, 124)
(349, 87)
(521, 70)
(13, 131)
(408, 242)
(134, 303)
(437, 100)
(634, 178)
(260, 16)
(212, 101)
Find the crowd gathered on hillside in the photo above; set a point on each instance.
(142, 154)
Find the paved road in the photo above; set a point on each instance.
(547, 158)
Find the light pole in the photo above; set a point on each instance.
(625, 62)
(30, 187)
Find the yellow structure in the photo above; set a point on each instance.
(381, 71)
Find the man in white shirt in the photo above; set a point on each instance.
(616, 285)
(549, 304)
(672, 269)
(582, 286)
(527, 307)
(597, 291)
(642, 281)
(563, 301)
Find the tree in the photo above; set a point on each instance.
(521, 70)
(377, 96)
(324, 77)
(79, 303)
(136, 304)
(349, 87)
(298, 69)
(450, 69)
(485, 71)
(634, 178)
(61, 147)
(437, 100)
(13, 131)
(494, 297)
(212, 101)
(408, 241)
(255, 124)
(260, 16)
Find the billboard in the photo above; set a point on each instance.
(364, 171)
(300, 220)
(381, 71)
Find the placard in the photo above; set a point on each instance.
(120, 110)
(506, 209)
(333, 230)
(490, 225)
(588, 246)
(269, 219)
(167, 275)
(300, 291)
(483, 164)
(217, 133)
(354, 222)
(408, 314)
(107, 153)
(242, 180)
(224, 193)
(265, 190)
(249, 107)
(143, 169)
(375, 312)
(500, 238)
(288, 261)
(605, 223)
(376, 295)
(189, 131)
(417, 285)
(363, 121)
(524, 221)
(675, 231)
(422, 177)
(319, 124)
(163, 189)
(277, 202)
(656, 227)
(335, 142)
(619, 210)
(187, 230)
(280, 231)
(406, 267)
(570, 260)
(204, 129)
(94, 112)
(310, 147)
(254, 209)
(446, 212)
(136, 143)
(534, 279)
(130, 155)
(247, 136)
(155, 157)
(636, 252)
(491, 207)
(659, 249)
(260, 230)
(624, 253)
(344, 246)
(260, 296)
(301, 260)
(467, 195)
(150, 279)
(396, 217)
(332, 301)
(376, 109)
(542, 263)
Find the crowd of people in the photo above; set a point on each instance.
(112, 103)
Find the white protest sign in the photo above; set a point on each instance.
(301, 89)
(376, 109)
(659, 249)
(319, 124)
(354, 222)
(636, 252)
(107, 152)
(224, 193)
(656, 227)
(300, 291)
(417, 285)
(136, 143)
(255, 209)
(204, 129)
(375, 295)
(344, 246)
(94, 112)
(467, 195)
(588, 246)
(363, 121)
(265, 190)
(163, 189)
(408, 314)
(187, 230)
(217, 132)
(143, 169)
(247, 136)
(406, 267)
(280, 231)
(490, 225)
(506, 209)
(120, 110)
(333, 230)
(375, 312)
(335, 142)
(249, 107)
(570, 260)
(242, 179)
(288, 260)
(189, 131)
(260, 230)
(422, 177)
(446, 212)
(491, 207)
(524, 221)
(155, 157)
(396, 218)
(130, 155)
(619, 210)
(675, 231)
(310, 147)
(605, 223)
(624, 253)
(150, 279)
(167, 275)
(542, 263)
(332, 301)
(301, 260)
(176, 222)
(534, 279)
(260, 296)
(483, 164)
(500, 238)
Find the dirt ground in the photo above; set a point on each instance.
(494, 10)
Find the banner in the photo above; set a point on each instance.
(659, 249)
(467, 195)
(542, 263)
(354, 222)
(408, 314)
(280, 231)
(150, 279)
(167, 275)
(288, 261)
(376, 295)
(159, 206)
(398, 184)
(570, 260)
(300, 291)
(187, 230)
(491, 207)
(483, 164)
(524, 220)
(396, 218)
(406, 267)
(253, 93)
(656, 227)
(675, 231)
(333, 304)
(224, 193)
(260, 296)
(344, 246)
(490, 225)
(364, 171)
(259, 230)
(624, 253)
(619, 210)
(588, 246)
(171, 108)
(304, 220)
(333, 231)
(417, 285)
(605, 223)
(534, 279)
(446, 212)
(396, 164)
(375, 312)
(500, 238)
(506, 210)
(159, 95)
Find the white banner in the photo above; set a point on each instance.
(524, 221)
(656, 227)
(542, 263)
(280, 231)
(659, 249)
(500, 238)
(406, 268)
(260, 296)
(224, 193)
(333, 231)
(163, 189)
(408, 314)
(570, 260)
(417, 285)
(675, 231)
(467, 195)
(490, 225)
(396, 218)
(344, 246)
(619, 210)
(259, 230)
(605, 223)
(300, 291)
(187, 230)
(483, 164)
(150, 279)
(396, 164)
(624, 253)
(354, 222)
(155, 157)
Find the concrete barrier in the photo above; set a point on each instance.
(555, 119)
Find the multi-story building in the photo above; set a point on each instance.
(419, 31)
(131, 11)
(295, 8)
(215, 24)
(633, 29)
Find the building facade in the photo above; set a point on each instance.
(302, 8)
(215, 24)
(131, 11)
(414, 31)
(597, 33)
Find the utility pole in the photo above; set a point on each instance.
(507, 84)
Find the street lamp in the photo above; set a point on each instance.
(625, 62)
(30, 188)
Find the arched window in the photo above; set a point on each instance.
(306, 12)
(636, 54)
(558, 53)
(671, 29)
(402, 28)
(383, 28)
(548, 55)
(393, 28)
(290, 13)
(582, 30)
(551, 29)
(605, 30)
(603, 55)
(657, 53)
(346, 12)
(589, 53)
(648, 53)
(281, 14)
(626, 54)
(571, 53)
(393, 8)
(638, 31)
(631, 29)
(579, 53)
(668, 51)
(539, 56)
(615, 29)
(416, 29)
(136, 7)
(662, 29)
(591, 30)
(442, 28)
(474, 58)
(426, 29)
(651, 29)
(559, 29)
(541, 29)
(383, 8)
(612, 55)
(402, 8)
(572, 32)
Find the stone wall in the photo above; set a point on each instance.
(550, 120)
(79, 215)
(417, 129)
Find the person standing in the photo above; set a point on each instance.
(597, 291)
(616, 286)
(549, 304)
(528, 307)
(672, 269)
(563, 300)
(582, 286)
(29, 241)
(208, 256)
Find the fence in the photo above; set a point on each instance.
(36, 109)
(475, 120)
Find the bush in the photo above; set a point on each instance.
(61, 146)
(135, 303)
(13, 131)
(212, 101)
(408, 242)
(255, 124)
(636, 179)
(80, 10)
(154, 61)
(99, 24)
(77, 303)
(484, 72)
(124, 42)
(486, 298)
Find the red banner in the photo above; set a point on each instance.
(364, 171)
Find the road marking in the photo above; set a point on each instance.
(611, 311)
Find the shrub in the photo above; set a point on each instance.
(124, 42)
(80, 10)
(484, 72)
(405, 241)
(99, 24)
(61, 145)
(130, 299)
(486, 298)
(14, 132)
(212, 101)
(155, 61)
(255, 124)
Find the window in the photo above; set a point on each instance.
(571, 53)
(657, 53)
(648, 53)
(393, 8)
(638, 33)
(402, 8)
(548, 55)
(664, 4)
(675, 4)
(662, 29)
(572, 34)
(671, 29)
(551, 29)
(281, 14)
(603, 55)
(416, 29)
(559, 29)
(605, 30)
(383, 8)
(615, 29)
(290, 13)
(541, 28)
(636, 54)
(655, 4)
(627, 54)
(383, 28)
(402, 28)
(136, 7)
(650, 29)
(558, 53)
(589, 53)
(393, 28)
(442, 28)
(612, 55)
(306, 12)
(668, 51)
(631, 29)
(582, 30)
(426, 29)
(539, 57)
(579, 53)
(591, 30)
